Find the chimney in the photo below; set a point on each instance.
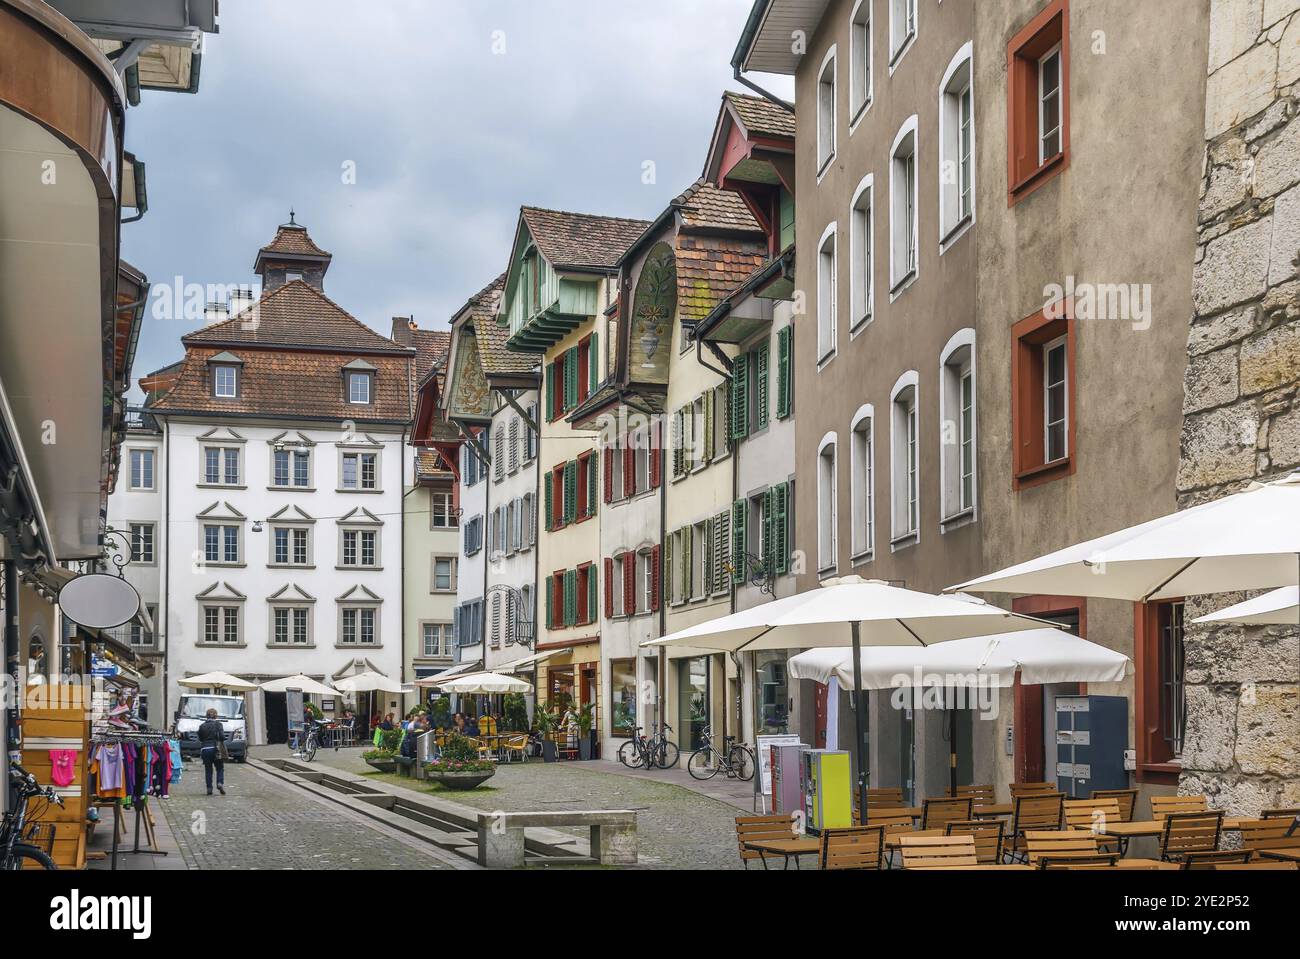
(402, 327)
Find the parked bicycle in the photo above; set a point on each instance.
(735, 759)
(648, 752)
(16, 850)
(312, 739)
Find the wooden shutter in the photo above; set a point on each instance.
(570, 378)
(761, 363)
(550, 390)
(708, 425)
(738, 511)
(571, 491)
(583, 487)
(656, 453)
(780, 527)
(629, 583)
(629, 467)
(721, 549)
(707, 578)
(570, 597)
(591, 593)
(740, 397)
(667, 570)
(547, 501)
(550, 599)
(656, 578)
(609, 588)
(593, 465)
(593, 362)
(769, 544)
(678, 452)
(783, 370)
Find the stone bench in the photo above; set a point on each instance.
(501, 835)
(405, 765)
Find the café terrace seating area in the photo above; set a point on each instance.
(1037, 828)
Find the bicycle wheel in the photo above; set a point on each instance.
(24, 856)
(701, 765)
(667, 755)
(309, 750)
(629, 755)
(742, 762)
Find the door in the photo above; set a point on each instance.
(277, 718)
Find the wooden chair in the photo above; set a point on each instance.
(1187, 832)
(1266, 833)
(1037, 812)
(1287, 812)
(856, 847)
(1093, 815)
(762, 829)
(1162, 806)
(1261, 866)
(980, 796)
(1097, 861)
(891, 796)
(1059, 844)
(1032, 789)
(937, 813)
(937, 852)
(987, 834)
(1208, 860)
(1127, 799)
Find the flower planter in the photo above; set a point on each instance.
(455, 780)
(549, 753)
(383, 765)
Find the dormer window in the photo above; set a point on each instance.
(358, 382)
(225, 381)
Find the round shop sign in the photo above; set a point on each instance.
(99, 601)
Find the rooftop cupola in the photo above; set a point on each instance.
(291, 256)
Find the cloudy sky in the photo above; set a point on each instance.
(454, 113)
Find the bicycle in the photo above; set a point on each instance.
(312, 739)
(706, 762)
(14, 853)
(642, 752)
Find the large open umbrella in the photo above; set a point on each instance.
(308, 686)
(1249, 540)
(1038, 655)
(1281, 607)
(486, 683)
(850, 611)
(368, 682)
(217, 680)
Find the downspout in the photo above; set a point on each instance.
(167, 568)
(663, 605)
(766, 95)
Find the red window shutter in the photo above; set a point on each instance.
(656, 453)
(629, 583)
(609, 588)
(609, 477)
(629, 470)
(655, 577)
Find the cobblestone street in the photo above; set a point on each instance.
(263, 823)
(677, 828)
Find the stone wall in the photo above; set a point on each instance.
(1241, 411)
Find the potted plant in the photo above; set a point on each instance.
(545, 721)
(458, 766)
(384, 760)
(586, 734)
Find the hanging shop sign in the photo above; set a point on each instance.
(99, 601)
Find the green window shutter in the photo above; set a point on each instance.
(591, 593)
(780, 528)
(570, 597)
(570, 491)
(708, 557)
(593, 363)
(768, 546)
(679, 454)
(708, 425)
(571, 378)
(546, 498)
(787, 218)
(687, 560)
(593, 491)
(761, 357)
(783, 384)
(721, 542)
(666, 578)
(740, 397)
(550, 391)
(738, 511)
(724, 397)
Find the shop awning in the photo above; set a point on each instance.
(461, 669)
(520, 665)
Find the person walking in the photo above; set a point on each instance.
(212, 747)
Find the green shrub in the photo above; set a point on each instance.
(459, 749)
(390, 739)
(515, 719)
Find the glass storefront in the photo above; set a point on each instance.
(693, 701)
(771, 708)
(622, 691)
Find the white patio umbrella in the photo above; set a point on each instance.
(1039, 655)
(486, 683)
(1249, 540)
(217, 680)
(368, 682)
(1281, 607)
(304, 683)
(850, 611)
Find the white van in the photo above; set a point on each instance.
(193, 712)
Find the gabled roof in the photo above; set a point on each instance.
(760, 116)
(293, 240)
(431, 348)
(492, 352)
(580, 240)
(296, 314)
(704, 207)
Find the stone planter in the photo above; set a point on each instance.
(466, 780)
(383, 765)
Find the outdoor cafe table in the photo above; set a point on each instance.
(787, 848)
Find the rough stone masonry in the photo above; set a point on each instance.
(1241, 417)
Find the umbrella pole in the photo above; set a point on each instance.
(859, 722)
(952, 746)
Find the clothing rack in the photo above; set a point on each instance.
(122, 737)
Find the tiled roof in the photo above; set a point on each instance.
(708, 269)
(431, 347)
(494, 356)
(581, 239)
(761, 116)
(704, 207)
(296, 314)
(286, 383)
(429, 463)
(292, 239)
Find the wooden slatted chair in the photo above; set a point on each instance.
(1286, 812)
(1098, 861)
(1186, 832)
(980, 796)
(1038, 812)
(1093, 815)
(856, 847)
(937, 813)
(1266, 833)
(1059, 844)
(761, 829)
(1127, 799)
(1162, 806)
(1208, 860)
(1261, 866)
(987, 834)
(938, 852)
(1032, 789)
(893, 821)
(891, 796)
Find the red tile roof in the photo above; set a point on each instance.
(761, 116)
(704, 207)
(581, 239)
(709, 268)
(292, 239)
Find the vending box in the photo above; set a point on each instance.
(827, 790)
(787, 777)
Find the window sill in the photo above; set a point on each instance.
(825, 360)
(360, 569)
(861, 559)
(358, 645)
(827, 571)
(904, 540)
(825, 166)
(1028, 184)
(957, 520)
(290, 566)
(904, 281)
(859, 113)
(220, 486)
(956, 233)
(861, 324)
(209, 562)
(290, 645)
(292, 489)
(142, 489)
(371, 491)
(897, 56)
(1043, 473)
(206, 645)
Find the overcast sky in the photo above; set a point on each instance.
(448, 137)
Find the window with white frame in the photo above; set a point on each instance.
(862, 292)
(646, 578)
(444, 575)
(860, 83)
(225, 381)
(290, 469)
(826, 112)
(442, 511)
(528, 523)
(614, 458)
(902, 27)
(359, 548)
(359, 388)
(957, 424)
(826, 294)
(221, 544)
(360, 471)
(827, 555)
(290, 546)
(904, 479)
(956, 145)
(902, 213)
(1049, 104)
(142, 469)
(436, 640)
(221, 625)
(221, 466)
(1056, 407)
(358, 626)
(617, 580)
(290, 626)
(862, 478)
(142, 543)
(530, 437)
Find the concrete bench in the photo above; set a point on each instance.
(501, 835)
(405, 765)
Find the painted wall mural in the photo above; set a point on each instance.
(654, 310)
(471, 396)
